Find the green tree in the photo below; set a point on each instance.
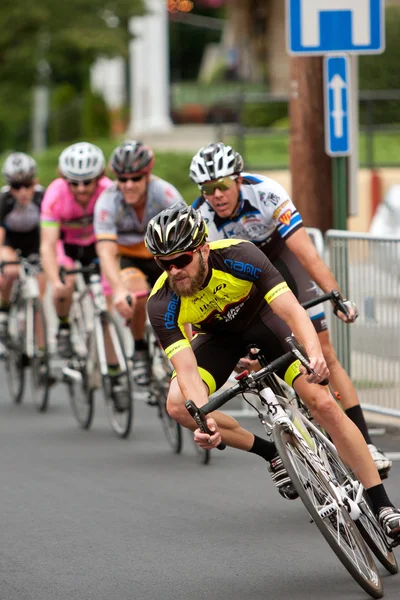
(61, 38)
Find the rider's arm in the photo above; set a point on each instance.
(289, 310)
(2, 235)
(107, 251)
(189, 380)
(49, 237)
(301, 245)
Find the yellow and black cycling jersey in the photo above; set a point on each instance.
(239, 286)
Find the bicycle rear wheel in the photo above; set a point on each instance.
(333, 520)
(119, 403)
(15, 359)
(367, 523)
(39, 363)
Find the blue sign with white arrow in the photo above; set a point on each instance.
(337, 105)
(327, 26)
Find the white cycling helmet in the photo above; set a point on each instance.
(81, 161)
(215, 161)
(19, 167)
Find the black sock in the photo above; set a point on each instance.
(378, 496)
(140, 345)
(63, 322)
(356, 415)
(261, 447)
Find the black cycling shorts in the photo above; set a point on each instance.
(217, 355)
(147, 266)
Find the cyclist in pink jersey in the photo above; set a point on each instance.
(67, 225)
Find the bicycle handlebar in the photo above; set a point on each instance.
(64, 272)
(334, 296)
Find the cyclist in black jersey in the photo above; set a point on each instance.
(236, 204)
(20, 202)
(232, 295)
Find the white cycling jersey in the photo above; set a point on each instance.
(266, 215)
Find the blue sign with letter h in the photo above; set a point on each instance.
(326, 26)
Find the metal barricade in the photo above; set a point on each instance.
(367, 269)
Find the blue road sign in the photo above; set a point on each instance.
(337, 105)
(327, 26)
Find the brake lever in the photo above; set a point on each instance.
(201, 420)
(303, 359)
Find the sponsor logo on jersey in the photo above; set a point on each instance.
(170, 315)
(273, 198)
(240, 267)
(276, 212)
(285, 218)
(262, 196)
(219, 287)
(104, 215)
(232, 313)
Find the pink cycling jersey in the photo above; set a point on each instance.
(60, 209)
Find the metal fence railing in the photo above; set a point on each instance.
(368, 271)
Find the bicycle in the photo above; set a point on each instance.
(88, 369)
(333, 497)
(26, 341)
(160, 370)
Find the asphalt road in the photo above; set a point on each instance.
(88, 516)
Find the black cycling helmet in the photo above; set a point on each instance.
(175, 229)
(132, 157)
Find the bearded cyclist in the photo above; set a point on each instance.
(67, 231)
(233, 296)
(236, 204)
(20, 202)
(122, 214)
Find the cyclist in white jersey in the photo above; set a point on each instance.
(236, 204)
(121, 216)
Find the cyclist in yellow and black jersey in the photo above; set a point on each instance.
(231, 293)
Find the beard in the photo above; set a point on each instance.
(191, 285)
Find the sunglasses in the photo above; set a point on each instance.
(86, 182)
(135, 178)
(180, 262)
(21, 184)
(223, 184)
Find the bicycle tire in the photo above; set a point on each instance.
(15, 359)
(120, 418)
(336, 526)
(40, 363)
(367, 524)
(81, 395)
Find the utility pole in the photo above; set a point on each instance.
(310, 166)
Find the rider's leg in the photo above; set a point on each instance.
(7, 278)
(347, 395)
(136, 282)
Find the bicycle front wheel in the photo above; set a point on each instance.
(367, 523)
(81, 393)
(39, 362)
(15, 359)
(116, 386)
(333, 520)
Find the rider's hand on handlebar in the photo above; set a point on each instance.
(60, 290)
(121, 303)
(352, 312)
(206, 441)
(320, 368)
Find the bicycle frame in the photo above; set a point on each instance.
(27, 288)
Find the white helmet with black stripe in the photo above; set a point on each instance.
(215, 161)
(81, 161)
